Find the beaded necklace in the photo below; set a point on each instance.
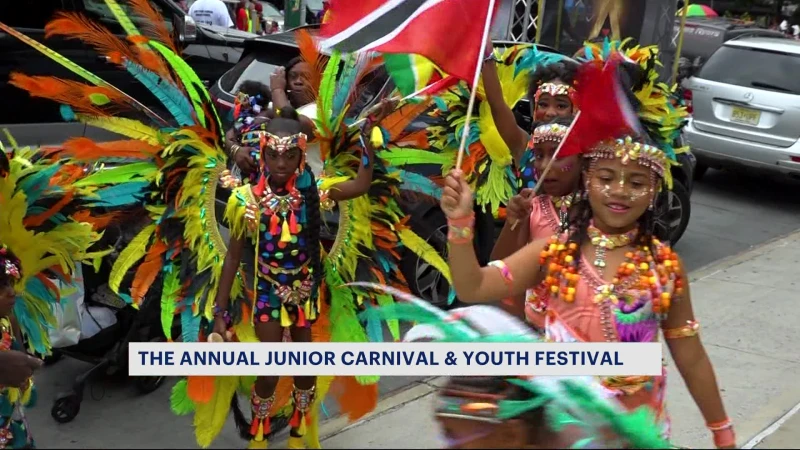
(658, 275)
(282, 206)
(604, 242)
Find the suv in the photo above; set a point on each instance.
(702, 36)
(210, 53)
(745, 107)
(264, 54)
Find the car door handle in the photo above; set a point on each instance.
(766, 108)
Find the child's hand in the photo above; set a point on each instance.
(519, 206)
(457, 201)
(17, 367)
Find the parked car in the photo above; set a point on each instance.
(702, 36)
(745, 111)
(210, 52)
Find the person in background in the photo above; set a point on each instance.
(255, 9)
(243, 16)
(211, 12)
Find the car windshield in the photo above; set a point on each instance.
(269, 10)
(762, 69)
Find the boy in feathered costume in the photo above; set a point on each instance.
(180, 160)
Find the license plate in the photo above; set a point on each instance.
(745, 116)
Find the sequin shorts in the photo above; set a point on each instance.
(270, 308)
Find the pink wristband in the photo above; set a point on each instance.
(508, 278)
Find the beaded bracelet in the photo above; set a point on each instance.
(508, 278)
(723, 433)
(226, 316)
(460, 231)
(691, 329)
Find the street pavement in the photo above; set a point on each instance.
(747, 328)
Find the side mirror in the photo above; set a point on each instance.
(187, 30)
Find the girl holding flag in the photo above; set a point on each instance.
(607, 279)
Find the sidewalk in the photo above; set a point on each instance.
(747, 307)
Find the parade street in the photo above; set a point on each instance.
(743, 252)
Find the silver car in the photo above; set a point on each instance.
(746, 107)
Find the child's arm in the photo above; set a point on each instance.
(683, 340)
(358, 186)
(515, 137)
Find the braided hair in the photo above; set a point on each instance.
(287, 120)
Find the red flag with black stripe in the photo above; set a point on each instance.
(448, 32)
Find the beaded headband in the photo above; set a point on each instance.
(628, 149)
(284, 144)
(555, 90)
(551, 132)
(11, 269)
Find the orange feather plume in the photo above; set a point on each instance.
(97, 100)
(99, 222)
(310, 53)
(153, 23)
(85, 149)
(148, 271)
(39, 219)
(200, 389)
(78, 26)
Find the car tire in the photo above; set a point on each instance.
(424, 280)
(672, 217)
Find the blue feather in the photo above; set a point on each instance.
(374, 327)
(169, 95)
(37, 184)
(440, 103)
(31, 321)
(344, 85)
(121, 194)
(68, 114)
(190, 324)
(419, 183)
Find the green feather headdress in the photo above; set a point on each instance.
(567, 401)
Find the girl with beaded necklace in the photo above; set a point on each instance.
(280, 213)
(606, 280)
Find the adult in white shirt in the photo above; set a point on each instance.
(211, 12)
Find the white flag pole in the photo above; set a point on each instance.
(487, 26)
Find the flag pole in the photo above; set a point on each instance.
(487, 26)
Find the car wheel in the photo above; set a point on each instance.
(672, 216)
(424, 280)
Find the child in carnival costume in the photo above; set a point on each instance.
(183, 160)
(519, 412)
(607, 278)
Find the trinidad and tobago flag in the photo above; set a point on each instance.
(447, 32)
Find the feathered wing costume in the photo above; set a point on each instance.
(52, 213)
(180, 250)
(488, 162)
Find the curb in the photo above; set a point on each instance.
(766, 417)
